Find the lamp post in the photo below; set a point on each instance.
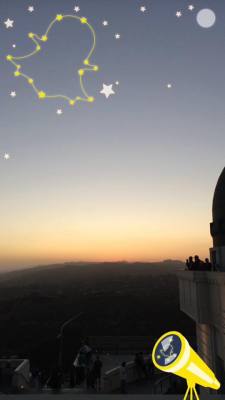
(60, 336)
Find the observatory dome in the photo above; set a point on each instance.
(218, 224)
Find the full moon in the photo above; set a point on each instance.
(206, 18)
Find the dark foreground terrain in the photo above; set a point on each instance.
(117, 299)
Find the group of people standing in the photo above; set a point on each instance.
(196, 264)
(86, 369)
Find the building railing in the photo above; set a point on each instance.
(193, 292)
(200, 293)
(111, 381)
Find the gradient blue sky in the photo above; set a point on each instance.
(131, 177)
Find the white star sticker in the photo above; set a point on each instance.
(9, 23)
(191, 7)
(76, 9)
(59, 111)
(178, 14)
(117, 83)
(30, 9)
(13, 94)
(143, 9)
(14, 45)
(169, 85)
(6, 156)
(107, 90)
(117, 36)
(105, 23)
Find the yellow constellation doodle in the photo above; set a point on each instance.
(81, 72)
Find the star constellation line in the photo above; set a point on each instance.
(81, 72)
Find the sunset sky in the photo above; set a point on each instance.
(130, 177)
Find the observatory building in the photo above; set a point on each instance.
(202, 293)
(217, 227)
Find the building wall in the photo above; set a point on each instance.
(217, 255)
(204, 343)
(202, 297)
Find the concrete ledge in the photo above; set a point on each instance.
(111, 379)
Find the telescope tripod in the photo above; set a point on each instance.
(191, 392)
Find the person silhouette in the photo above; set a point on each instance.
(123, 378)
(97, 371)
(189, 263)
(208, 265)
(198, 264)
(55, 381)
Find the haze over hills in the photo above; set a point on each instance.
(11, 270)
(117, 299)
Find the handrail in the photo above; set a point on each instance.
(24, 362)
(116, 369)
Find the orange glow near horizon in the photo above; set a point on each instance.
(43, 241)
(102, 225)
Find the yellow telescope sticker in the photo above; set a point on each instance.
(172, 353)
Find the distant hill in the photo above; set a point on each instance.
(166, 266)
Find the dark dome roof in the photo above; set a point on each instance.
(218, 225)
(219, 198)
